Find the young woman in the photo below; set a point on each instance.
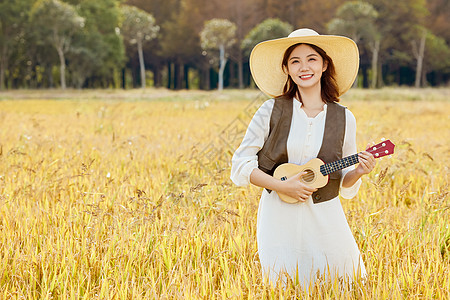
(306, 73)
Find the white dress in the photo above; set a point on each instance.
(301, 239)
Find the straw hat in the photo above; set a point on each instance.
(266, 59)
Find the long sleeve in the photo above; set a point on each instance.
(349, 148)
(245, 159)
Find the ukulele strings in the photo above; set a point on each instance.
(332, 167)
(308, 176)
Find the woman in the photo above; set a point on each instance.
(308, 72)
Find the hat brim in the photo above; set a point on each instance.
(266, 61)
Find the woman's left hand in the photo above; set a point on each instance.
(366, 163)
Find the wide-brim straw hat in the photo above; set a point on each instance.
(266, 59)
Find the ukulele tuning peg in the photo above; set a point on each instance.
(383, 139)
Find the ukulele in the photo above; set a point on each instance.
(317, 171)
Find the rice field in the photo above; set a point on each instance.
(126, 195)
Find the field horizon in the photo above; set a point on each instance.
(164, 94)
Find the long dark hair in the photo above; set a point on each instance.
(329, 87)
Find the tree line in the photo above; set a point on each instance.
(205, 44)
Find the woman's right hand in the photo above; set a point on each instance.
(292, 187)
(295, 188)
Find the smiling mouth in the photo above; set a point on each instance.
(306, 76)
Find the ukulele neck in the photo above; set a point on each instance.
(379, 150)
(339, 164)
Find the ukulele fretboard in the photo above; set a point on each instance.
(339, 164)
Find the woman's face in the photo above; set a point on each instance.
(305, 66)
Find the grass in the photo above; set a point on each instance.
(126, 195)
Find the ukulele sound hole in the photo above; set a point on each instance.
(309, 176)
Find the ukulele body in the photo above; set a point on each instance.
(312, 178)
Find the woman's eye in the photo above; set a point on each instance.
(312, 59)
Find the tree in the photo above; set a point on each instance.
(437, 57)
(437, 20)
(218, 34)
(180, 43)
(397, 24)
(418, 48)
(13, 17)
(137, 28)
(56, 22)
(98, 50)
(267, 30)
(356, 19)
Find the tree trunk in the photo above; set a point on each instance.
(231, 75)
(3, 66)
(365, 77)
(177, 72)
(124, 78)
(206, 79)
(169, 74)
(380, 81)
(62, 67)
(2, 77)
(375, 50)
(134, 74)
(157, 75)
(141, 63)
(419, 55)
(240, 70)
(424, 77)
(49, 73)
(223, 62)
(186, 77)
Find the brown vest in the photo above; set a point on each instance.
(274, 151)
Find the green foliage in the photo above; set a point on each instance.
(137, 25)
(56, 21)
(437, 53)
(396, 20)
(98, 50)
(180, 40)
(355, 19)
(217, 33)
(267, 30)
(137, 28)
(13, 18)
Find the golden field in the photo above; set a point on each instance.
(126, 195)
